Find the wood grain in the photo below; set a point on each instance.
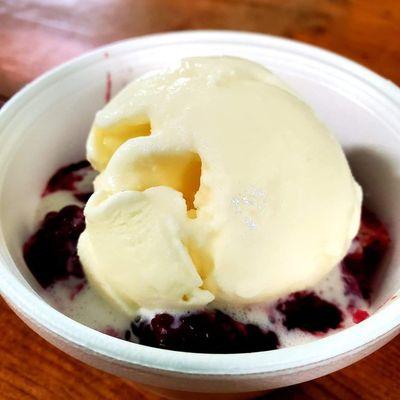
(38, 34)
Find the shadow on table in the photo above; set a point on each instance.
(288, 393)
(2, 100)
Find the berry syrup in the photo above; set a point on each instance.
(342, 299)
(67, 178)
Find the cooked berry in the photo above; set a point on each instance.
(51, 252)
(368, 249)
(66, 177)
(310, 313)
(359, 315)
(203, 332)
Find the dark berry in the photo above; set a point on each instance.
(66, 177)
(310, 313)
(203, 332)
(368, 249)
(51, 252)
(83, 197)
(127, 335)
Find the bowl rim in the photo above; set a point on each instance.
(36, 311)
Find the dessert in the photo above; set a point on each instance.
(224, 217)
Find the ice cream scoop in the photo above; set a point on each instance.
(217, 184)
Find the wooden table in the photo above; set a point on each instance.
(37, 34)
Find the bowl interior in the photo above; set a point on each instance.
(47, 127)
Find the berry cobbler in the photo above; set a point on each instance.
(215, 214)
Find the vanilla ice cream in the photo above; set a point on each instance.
(217, 184)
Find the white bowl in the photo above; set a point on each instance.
(45, 126)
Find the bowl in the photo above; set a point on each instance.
(45, 126)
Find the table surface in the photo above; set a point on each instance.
(36, 35)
